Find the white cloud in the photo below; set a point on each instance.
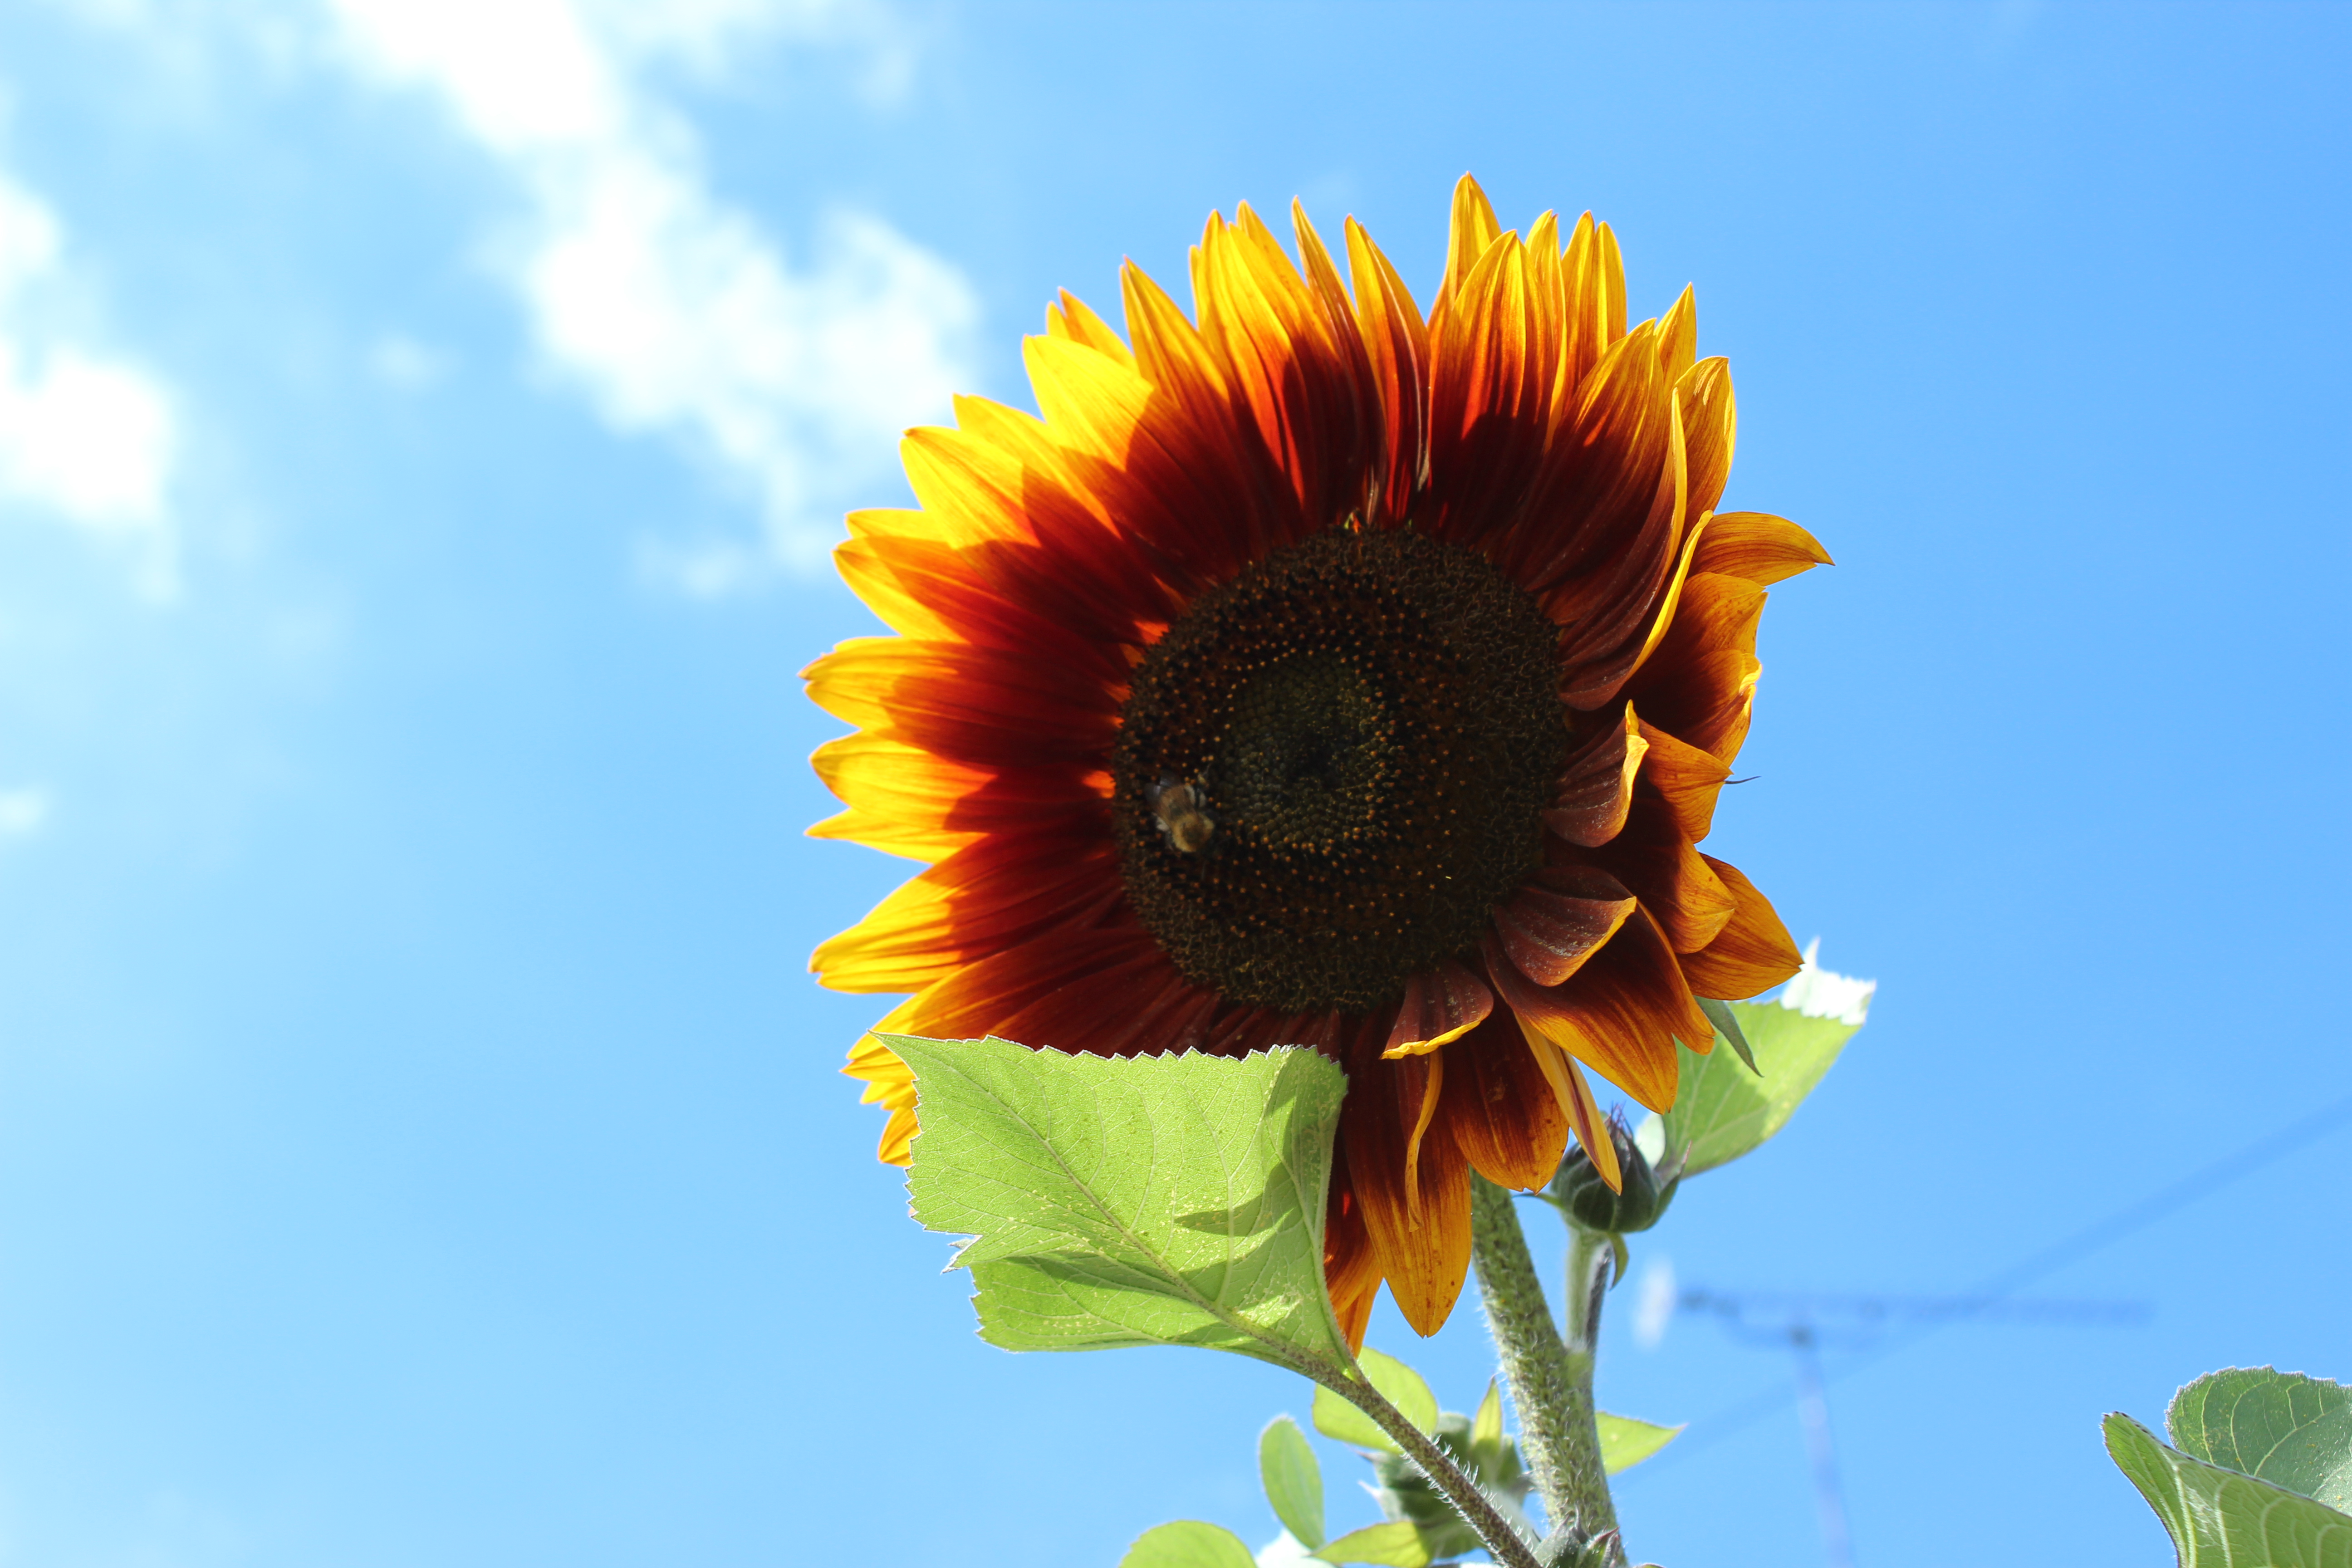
(85, 435)
(674, 312)
(1654, 1308)
(1819, 992)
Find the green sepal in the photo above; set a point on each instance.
(1727, 1027)
(1293, 1480)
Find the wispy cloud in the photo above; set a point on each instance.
(674, 312)
(85, 436)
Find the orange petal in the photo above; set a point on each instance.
(1621, 1012)
(1678, 336)
(1431, 1089)
(1701, 683)
(996, 893)
(1670, 877)
(984, 706)
(1592, 293)
(1133, 448)
(907, 801)
(1501, 1107)
(1493, 364)
(986, 995)
(1596, 787)
(1581, 1111)
(1071, 319)
(1754, 951)
(1666, 509)
(1688, 778)
(1759, 547)
(1711, 428)
(1474, 230)
(1547, 929)
(1440, 1005)
(1350, 1270)
(888, 1082)
(1197, 417)
(1300, 369)
(926, 589)
(1397, 340)
(1421, 1233)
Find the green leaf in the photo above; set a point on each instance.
(1726, 1025)
(1173, 1200)
(2285, 1428)
(1486, 1427)
(2218, 1518)
(1188, 1544)
(1396, 1544)
(1721, 1112)
(1626, 1442)
(1293, 1481)
(1399, 1384)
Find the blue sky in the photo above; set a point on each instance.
(420, 429)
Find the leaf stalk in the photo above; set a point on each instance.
(1507, 1545)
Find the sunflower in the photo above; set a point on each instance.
(1319, 673)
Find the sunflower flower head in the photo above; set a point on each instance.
(1319, 672)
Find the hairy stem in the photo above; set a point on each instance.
(1506, 1543)
(1550, 1382)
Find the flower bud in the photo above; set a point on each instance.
(1648, 1189)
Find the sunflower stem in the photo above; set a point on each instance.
(1506, 1544)
(1550, 1380)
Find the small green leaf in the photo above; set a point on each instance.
(1188, 1544)
(1173, 1200)
(1721, 1112)
(2280, 1426)
(2220, 1518)
(1396, 1544)
(1486, 1427)
(1626, 1442)
(1726, 1025)
(1398, 1384)
(1293, 1481)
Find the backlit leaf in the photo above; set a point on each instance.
(1293, 1480)
(1722, 1110)
(1188, 1544)
(1626, 1442)
(2220, 1518)
(2288, 1429)
(1399, 1384)
(1396, 1544)
(1155, 1200)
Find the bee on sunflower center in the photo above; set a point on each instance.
(1181, 809)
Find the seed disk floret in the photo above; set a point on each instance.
(1369, 726)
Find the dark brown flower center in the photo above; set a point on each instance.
(1332, 768)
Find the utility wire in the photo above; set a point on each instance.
(2209, 1178)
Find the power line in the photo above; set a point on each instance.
(2101, 1233)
